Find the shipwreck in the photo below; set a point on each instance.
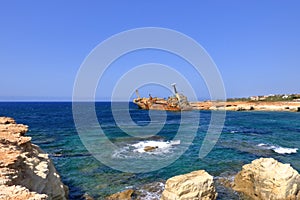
(177, 102)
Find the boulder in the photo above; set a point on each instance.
(266, 178)
(195, 185)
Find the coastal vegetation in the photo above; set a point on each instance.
(269, 98)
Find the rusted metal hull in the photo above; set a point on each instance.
(157, 104)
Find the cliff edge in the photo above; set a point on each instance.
(26, 172)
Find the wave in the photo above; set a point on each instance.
(278, 149)
(140, 146)
(137, 150)
(150, 190)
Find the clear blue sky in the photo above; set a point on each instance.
(255, 44)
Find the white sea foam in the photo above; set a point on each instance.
(282, 150)
(161, 145)
(278, 149)
(261, 145)
(153, 192)
(137, 149)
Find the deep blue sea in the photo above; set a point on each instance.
(246, 136)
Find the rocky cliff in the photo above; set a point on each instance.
(268, 179)
(195, 185)
(26, 172)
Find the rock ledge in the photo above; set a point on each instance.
(26, 172)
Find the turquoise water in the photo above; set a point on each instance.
(245, 137)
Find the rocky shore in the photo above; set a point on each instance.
(247, 106)
(266, 178)
(26, 172)
(173, 105)
(262, 179)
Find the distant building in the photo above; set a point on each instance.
(285, 96)
(262, 97)
(254, 98)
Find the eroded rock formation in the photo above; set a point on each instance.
(195, 185)
(26, 172)
(266, 178)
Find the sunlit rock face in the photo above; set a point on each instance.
(266, 178)
(26, 172)
(195, 185)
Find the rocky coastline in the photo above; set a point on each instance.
(262, 179)
(162, 104)
(179, 102)
(26, 172)
(266, 178)
(247, 106)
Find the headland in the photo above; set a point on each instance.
(180, 102)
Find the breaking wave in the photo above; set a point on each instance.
(137, 150)
(278, 149)
(160, 145)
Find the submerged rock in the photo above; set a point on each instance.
(26, 172)
(124, 195)
(195, 185)
(87, 197)
(266, 178)
(150, 148)
(151, 191)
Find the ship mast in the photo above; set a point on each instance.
(137, 94)
(174, 86)
(176, 93)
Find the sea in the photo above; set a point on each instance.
(245, 136)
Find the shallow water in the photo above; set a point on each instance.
(245, 137)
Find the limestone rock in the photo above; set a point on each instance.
(150, 148)
(125, 195)
(26, 172)
(266, 178)
(19, 193)
(192, 186)
(7, 120)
